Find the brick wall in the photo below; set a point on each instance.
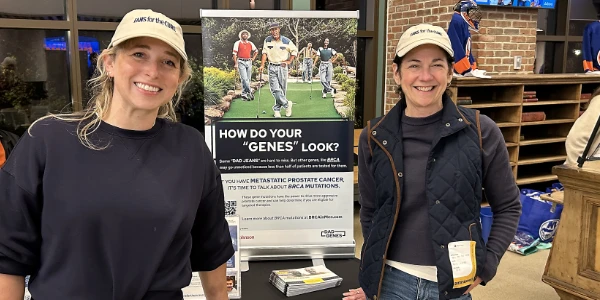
(505, 33)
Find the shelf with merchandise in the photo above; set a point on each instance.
(532, 114)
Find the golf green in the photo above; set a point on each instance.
(299, 93)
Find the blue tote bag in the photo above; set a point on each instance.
(538, 219)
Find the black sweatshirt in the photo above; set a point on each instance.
(128, 222)
(411, 242)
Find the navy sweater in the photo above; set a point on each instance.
(131, 221)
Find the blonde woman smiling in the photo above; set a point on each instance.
(119, 201)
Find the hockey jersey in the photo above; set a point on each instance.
(591, 47)
(460, 37)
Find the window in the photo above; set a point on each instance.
(33, 9)
(583, 12)
(574, 58)
(546, 23)
(34, 76)
(191, 107)
(95, 42)
(185, 12)
(548, 57)
(337, 4)
(561, 31)
(552, 57)
(259, 4)
(540, 54)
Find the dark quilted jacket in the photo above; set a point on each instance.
(453, 189)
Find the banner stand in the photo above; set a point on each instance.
(244, 266)
(288, 173)
(315, 253)
(298, 252)
(318, 262)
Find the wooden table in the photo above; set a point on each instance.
(573, 267)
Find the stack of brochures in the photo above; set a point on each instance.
(294, 282)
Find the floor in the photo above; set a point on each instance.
(518, 277)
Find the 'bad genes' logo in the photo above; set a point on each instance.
(333, 234)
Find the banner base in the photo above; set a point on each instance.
(298, 252)
(318, 262)
(244, 266)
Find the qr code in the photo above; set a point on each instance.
(230, 207)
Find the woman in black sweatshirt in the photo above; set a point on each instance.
(118, 201)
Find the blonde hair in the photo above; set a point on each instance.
(102, 87)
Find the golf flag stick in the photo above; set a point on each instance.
(311, 80)
(259, 90)
(237, 75)
(297, 67)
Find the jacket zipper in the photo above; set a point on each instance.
(395, 215)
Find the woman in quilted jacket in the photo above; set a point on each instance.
(423, 170)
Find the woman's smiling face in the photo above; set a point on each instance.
(146, 74)
(424, 75)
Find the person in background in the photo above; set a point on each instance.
(422, 169)
(244, 53)
(308, 57)
(327, 56)
(581, 132)
(280, 51)
(118, 201)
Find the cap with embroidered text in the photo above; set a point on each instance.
(148, 23)
(423, 34)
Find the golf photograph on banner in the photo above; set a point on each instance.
(259, 65)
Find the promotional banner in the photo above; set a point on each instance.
(279, 93)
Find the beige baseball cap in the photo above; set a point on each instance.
(148, 23)
(423, 34)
